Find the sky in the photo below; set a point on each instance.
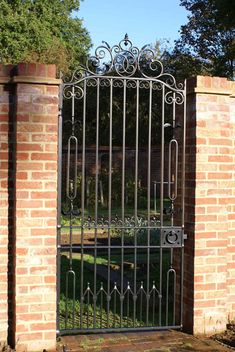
(145, 21)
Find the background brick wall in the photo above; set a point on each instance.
(210, 186)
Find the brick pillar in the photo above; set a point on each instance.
(210, 205)
(32, 195)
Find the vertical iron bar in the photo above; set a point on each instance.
(161, 201)
(88, 303)
(96, 192)
(136, 196)
(174, 298)
(115, 304)
(155, 196)
(83, 201)
(141, 301)
(183, 158)
(182, 202)
(101, 304)
(175, 178)
(110, 193)
(128, 303)
(71, 194)
(167, 296)
(69, 273)
(59, 179)
(148, 196)
(154, 302)
(123, 197)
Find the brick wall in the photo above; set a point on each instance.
(32, 197)
(210, 205)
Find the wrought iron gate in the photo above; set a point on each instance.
(121, 194)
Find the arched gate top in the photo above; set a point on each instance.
(124, 60)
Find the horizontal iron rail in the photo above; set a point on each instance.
(103, 227)
(66, 248)
(104, 330)
(127, 78)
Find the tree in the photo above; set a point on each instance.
(42, 31)
(207, 41)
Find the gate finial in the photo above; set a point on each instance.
(126, 39)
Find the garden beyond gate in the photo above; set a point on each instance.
(121, 197)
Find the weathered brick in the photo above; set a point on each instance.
(211, 137)
(34, 235)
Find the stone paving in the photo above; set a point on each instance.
(164, 341)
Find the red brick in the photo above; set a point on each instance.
(43, 213)
(219, 175)
(23, 117)
(22, 69)
(29, 147)
(51, 72)
(42, 326)
(31, 89)
(45, 100)
(220, 158)
(220, 141)
(51, 128)
(23, 127)
(43, 175)
(44, 195)
(206, 304)
(44, 156)
(29, 185)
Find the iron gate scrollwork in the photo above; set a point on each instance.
(121, 194)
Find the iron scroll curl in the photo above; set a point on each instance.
(124, 60)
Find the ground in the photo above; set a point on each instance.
(227, 337)
(164, 341)
(161, 341)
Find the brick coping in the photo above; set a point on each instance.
(30, 80)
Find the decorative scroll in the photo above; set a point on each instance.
(125, 60)
(174, 97)
(129, 222)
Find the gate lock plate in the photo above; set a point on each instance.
(172, 237)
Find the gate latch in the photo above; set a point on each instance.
(172, 237)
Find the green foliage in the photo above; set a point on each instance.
(42, 31)
(207, 42)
